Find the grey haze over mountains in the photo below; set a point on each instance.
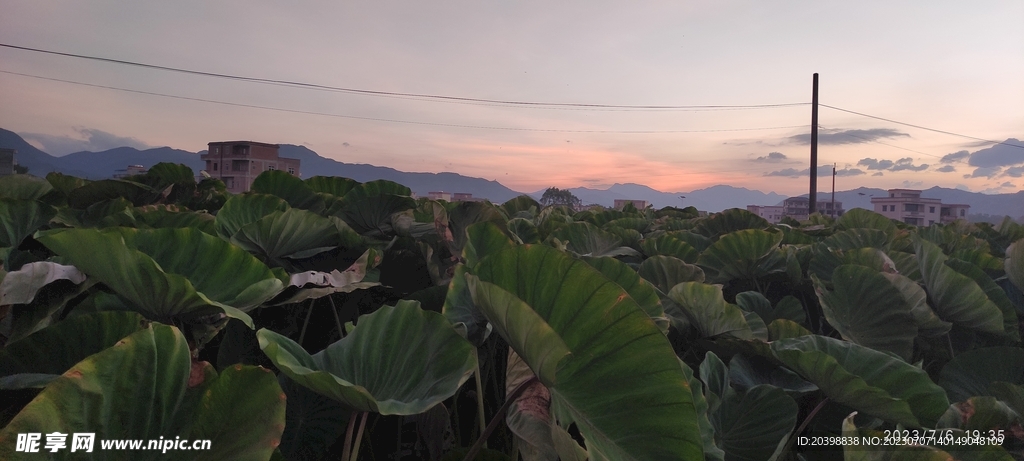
(104, 164)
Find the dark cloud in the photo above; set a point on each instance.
(955, 157)
(873, 164)
(1014, 172)
(879, 174)
(984, 172)
(912, 184)
(907, 163)
(88, 139)
(823, 171)
(1008, 184)
(946, 169)
(772, 157)
(835, 136)
(999, 155)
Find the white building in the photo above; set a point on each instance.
(908, 206)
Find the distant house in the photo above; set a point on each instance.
(798, 208)
(773, 214)
(131, 170)
(238, 163)
(440, 195)
(7, 162)
(908, 206)
(621, 203)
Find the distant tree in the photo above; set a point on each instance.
(556, 196)
(18, 169)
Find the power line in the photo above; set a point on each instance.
(376, 119)
(921, 127)
(509, 103)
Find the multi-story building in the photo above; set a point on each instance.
(238, 163)
(908, 206)
(6, 162)
(440, 195)
(773, 214)
(798, 207)
(131, 170)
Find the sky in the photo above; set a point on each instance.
(951, 66)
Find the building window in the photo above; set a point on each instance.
(291, 171)
(271, 167)
(216, 150)
(215, 167)
(962, 213)
(912, 207)
(931, 209)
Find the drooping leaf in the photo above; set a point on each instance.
(158, 272)
(864, 379)
(460, 310)
(700, 404)
(585, 239)
(483, 238)
(748, 372)
(562, 331)
(1014, 263)
(956, 297)
(522, 203)
(161, 216)
(334, 185)
(400, 360)
(21, 286)
(146, 387)
(524, 230)
(665, 272)
(106, 189)
(368, 207)
(971, 373)
(23, 187)
(994, 293)
(784, 328)
(706, 309)
(20, 218)
(48, 353)
(729, 221)
(867, 309)
(928, 323)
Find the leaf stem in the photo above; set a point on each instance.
(359, 437)
(347, 450)
(309, 313)
(803, 425)
(337, 320)
(497, 418)
(479, 394)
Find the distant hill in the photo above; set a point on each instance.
(98, 165)
(38, 162)
(421, 183)
(714, 198)
(101, 165)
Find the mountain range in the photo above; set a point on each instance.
(100, 165)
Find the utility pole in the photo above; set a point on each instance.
(812, 198)
(833, 191)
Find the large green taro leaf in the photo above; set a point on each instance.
(669, 245)
(852, 239)
(466, 214)
(706, 309)
(859, 218)
(23, 187)
(665, 272)
(867, 380)
(928, 323)
(588, 240)
(867, 309)
(168, 273)
(729, 221)
(20, 218)
(100, 191)
(1014, 263)
(287, 235)
(956, 297)
(290, 188)
(994, 292)
(972, 373)
(147, 387)
(400, 360)
(243, 209)
(915, 452)
(41, 357)
(590, 344)
(368, 207)
(334, 185)
(524, 230)
(750, 424)
(521, 204)
(645, 295)
(746, 254)
(161, 216)
(482, 239)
